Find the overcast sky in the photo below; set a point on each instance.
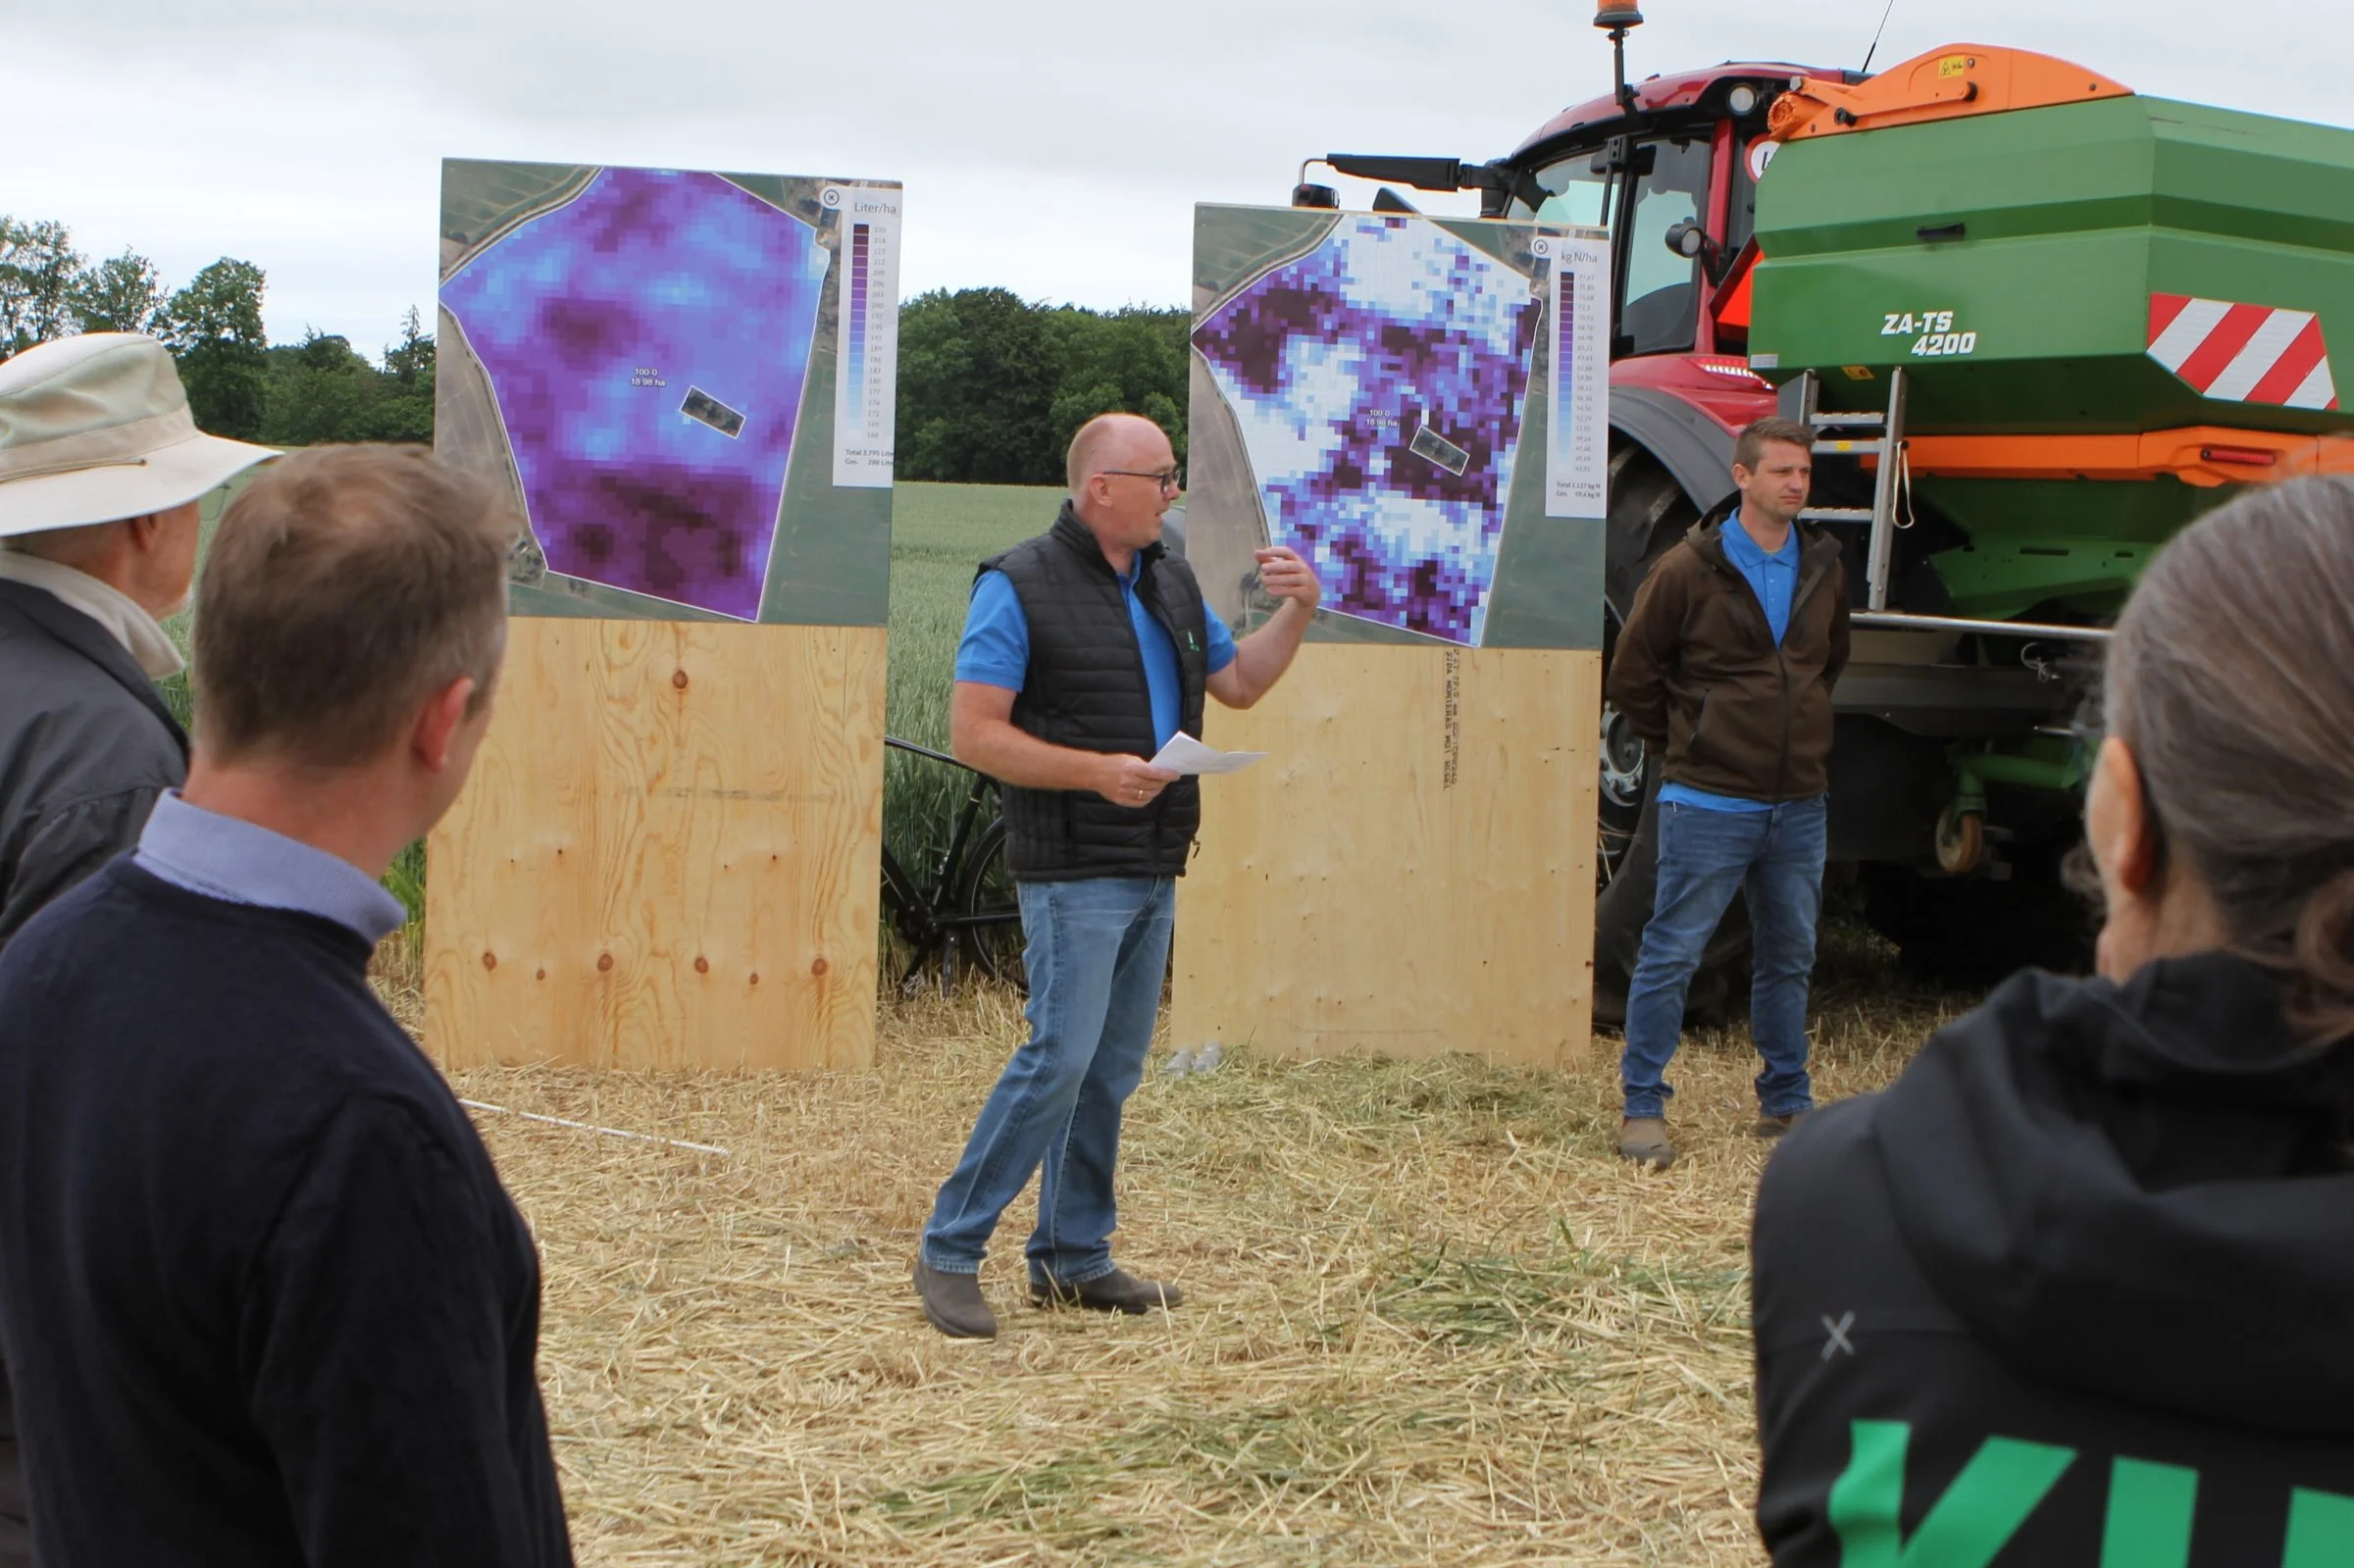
(1051, 147)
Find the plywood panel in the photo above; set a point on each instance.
(669, 853)
(1411, 871)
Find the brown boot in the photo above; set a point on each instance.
(1773, 1127)
(1116, 1292)
(1644, 1139)
(952, 1301)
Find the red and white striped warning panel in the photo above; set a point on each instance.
(2243, 353)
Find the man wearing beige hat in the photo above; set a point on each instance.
(100, 469)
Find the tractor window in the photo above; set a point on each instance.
(1661, 297)
(1577, 195)
(1662, 300)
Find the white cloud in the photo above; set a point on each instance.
(1050, 147)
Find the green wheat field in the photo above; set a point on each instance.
(939, 535)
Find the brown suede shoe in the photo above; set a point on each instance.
(1116, 1292)
(1644, 1139)
(952, 1301)
(1773, 1127)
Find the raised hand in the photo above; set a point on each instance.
(1284, 575)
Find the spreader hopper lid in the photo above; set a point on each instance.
(1948, 84)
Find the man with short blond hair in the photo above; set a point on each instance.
(1084, 651)
(1725, 665)
(267, 1301)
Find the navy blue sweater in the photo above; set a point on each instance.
(263, 1297)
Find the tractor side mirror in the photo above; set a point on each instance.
(1690, 240)
(1422, 174)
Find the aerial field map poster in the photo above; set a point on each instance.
(1418, 406)
(685, 379)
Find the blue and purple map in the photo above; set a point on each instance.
(646, 343)
(1378, 382)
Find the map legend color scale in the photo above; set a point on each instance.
(865, 385)
(1577, 456)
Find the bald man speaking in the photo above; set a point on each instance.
(1084, 651)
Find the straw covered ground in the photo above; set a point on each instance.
(1433, 1321)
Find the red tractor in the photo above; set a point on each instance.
(1670, 167)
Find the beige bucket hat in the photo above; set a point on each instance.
(96, 427)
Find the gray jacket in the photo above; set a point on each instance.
(87, 744)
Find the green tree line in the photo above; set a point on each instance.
(990, 386)
(239, 384)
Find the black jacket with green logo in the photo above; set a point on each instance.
(2076, 1292)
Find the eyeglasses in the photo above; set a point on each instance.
(1168, 479)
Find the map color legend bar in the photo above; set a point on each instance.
(866, 388)
(861, 254)
(1578, 454)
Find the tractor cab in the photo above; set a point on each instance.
(1675, 182)
(1669, 166)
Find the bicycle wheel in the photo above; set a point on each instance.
(988, 890)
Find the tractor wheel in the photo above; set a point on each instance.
(1649, 513)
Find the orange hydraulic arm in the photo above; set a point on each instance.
(1946, 84)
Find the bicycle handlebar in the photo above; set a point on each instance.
(925, 751)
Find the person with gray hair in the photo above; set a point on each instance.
(100, 469)
(2076, 1287)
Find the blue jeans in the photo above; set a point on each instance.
(1097, 951)
(1704, 858)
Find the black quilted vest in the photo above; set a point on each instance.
(1086, 688)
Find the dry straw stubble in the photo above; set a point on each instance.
(1433, 1320)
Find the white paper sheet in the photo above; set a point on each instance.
(1185, 754)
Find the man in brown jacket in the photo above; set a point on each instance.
(1727, 665)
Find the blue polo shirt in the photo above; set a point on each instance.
(995, 649)
(1773, 578)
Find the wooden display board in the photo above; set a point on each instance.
(1411, 871)
(669, 854)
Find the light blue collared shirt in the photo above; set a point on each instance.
(1773, 578)
(244, 863)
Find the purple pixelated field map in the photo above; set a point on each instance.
(646, 343)
(1378, 382)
